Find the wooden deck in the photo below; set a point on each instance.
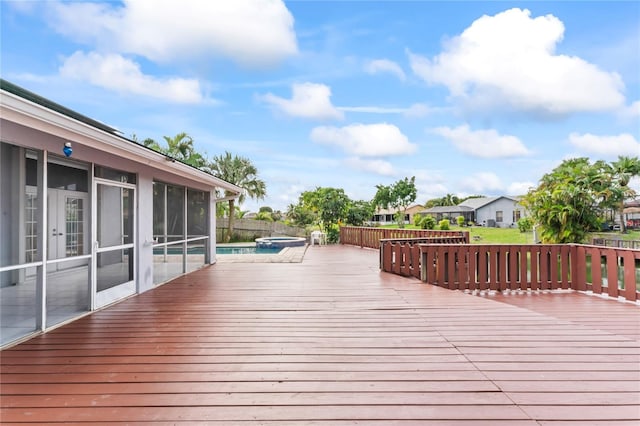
(330, 341)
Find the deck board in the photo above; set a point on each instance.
(330, 341)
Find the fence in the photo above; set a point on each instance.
(602, 270)
(249, 229)
(371, 237)
(609, 242)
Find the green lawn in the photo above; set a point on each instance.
(483, 235)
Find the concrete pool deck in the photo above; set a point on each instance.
(286, 255)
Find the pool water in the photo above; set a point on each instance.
(247, 250)
(222, 250)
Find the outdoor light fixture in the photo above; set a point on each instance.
(67, 149)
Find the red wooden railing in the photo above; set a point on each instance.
(446, 259)
(473, 267)
(370, 237)
(402, 256)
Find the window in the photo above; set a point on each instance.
(516, 216)
(499, 216)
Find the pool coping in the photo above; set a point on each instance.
(286, 255)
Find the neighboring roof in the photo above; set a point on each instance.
(447, 209)
(21, 106)
(385, 211)
(413, 206)
(476, 203)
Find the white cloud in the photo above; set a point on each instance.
(420, 110)
(607, 146)
(631, 111)
(519, 188)
(374, 109)
(385, 66)
(117, 73)
(482, 143)
(415, 110)
(308, 100)
(509, 59)
(249, 32)
(380, 167)
(365, 140)
(481, 183)
(429, 184)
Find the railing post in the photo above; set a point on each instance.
(629, 259)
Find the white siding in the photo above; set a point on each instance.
(506, 205)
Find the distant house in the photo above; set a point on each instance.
(500, 212)
(632, 214)
(387, 216)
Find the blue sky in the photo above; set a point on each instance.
(469, 97)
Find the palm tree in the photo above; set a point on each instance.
(181, 148)
(240, 172)
(625, 169)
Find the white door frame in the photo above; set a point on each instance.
(57, 222)
(111, 295)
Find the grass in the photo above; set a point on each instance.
(484, 235)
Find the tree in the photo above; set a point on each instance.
(359, 212)
(240, 172)
(624, 169)
(300, 215)
(332, 205)
(404, 193)
(264, 215)
(327, 207)
(450, 200)
(181, 148)
(382, 199)
(398, 195)
(568, 202)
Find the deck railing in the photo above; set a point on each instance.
(472, 267)
(402, 256)
(370, 237)
(446, 259)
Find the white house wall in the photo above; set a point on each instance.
(19, 135)
(506, 205)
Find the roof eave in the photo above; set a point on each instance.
(26, 112)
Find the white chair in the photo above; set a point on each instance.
(318, 237)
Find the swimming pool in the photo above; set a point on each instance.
(280, 242)
(247, 250)
(221, 250)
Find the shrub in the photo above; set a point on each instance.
(417, 220)
(444, 225)
(525, 224)
(333, 234)
(428, 222)
(460, 220)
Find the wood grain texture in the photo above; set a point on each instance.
(330, 341)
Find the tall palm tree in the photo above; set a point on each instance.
(181, 148)
(240, 172)
(625, 168)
